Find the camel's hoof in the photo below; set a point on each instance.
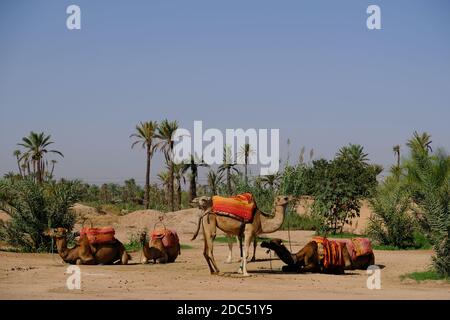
(246, 275)
(240, 271)
(228, 261)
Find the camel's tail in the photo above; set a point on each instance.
(199, 224)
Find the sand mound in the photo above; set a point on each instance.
(183, 221)
(80, 209)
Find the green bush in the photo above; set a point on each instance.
(35, 207)
(294, 221)
(392, 223)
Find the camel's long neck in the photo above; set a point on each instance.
(145, 245)
(284, 254)
(270, 225)
(61, 245)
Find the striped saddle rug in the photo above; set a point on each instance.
(241, 206)
(357, 247)
(99, 235)
(169, 237)
(330, 252)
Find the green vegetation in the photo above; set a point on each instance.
(294, 221)
(424, 276)
(34, 207)
(392, 224)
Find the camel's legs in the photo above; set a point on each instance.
(255, 244)
(209, 233)
(248, 238)
(230, 248)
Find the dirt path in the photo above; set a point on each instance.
(41, 276)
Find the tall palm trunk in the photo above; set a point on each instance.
(178, 194)
(147, 180)
(171, 186)
(245, 170)
(38, 170)
(18, 164)
(229, 181)
(193, 184)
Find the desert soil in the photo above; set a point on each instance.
(43, 276)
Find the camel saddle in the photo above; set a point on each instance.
(330, 252)
(357, 247)
(99, 235)
(241, 206)
(169, 237)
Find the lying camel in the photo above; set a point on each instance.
(308, 259)
(157, 252)
(261, 223)
(86, 253)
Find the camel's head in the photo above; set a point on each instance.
(203, 202)
(56, 232)
(271, 244)
(282, 200)
(143, 237)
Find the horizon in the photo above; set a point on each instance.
(312, 70)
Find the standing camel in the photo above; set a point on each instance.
(261, 223)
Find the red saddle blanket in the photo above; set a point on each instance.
(357, 247)
(99, 235)
(169, 237)
(241, 206)
(330, 252)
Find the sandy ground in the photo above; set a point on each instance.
(43, 276)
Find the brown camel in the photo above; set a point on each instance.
(157, 252)
(86, 253)
(261, 223)
(308, 258)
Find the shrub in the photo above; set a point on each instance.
(34, 208)
(391, 224)
(294, 221)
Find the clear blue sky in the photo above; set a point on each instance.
(310, 68)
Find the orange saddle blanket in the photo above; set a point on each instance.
(169, 237)
(241, 206)
(99, 235)
(330, 252)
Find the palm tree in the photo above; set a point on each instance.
(36, 145)
(228, 167)
(353, 152)
(165, 133)
(53, 168)
(17, 154)
(214, 179)
(178, 172)
(420, 143)
(396, 150)
(164, 177)
(145, 135)
(271, 180)
(244, 154)
(193, 165)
